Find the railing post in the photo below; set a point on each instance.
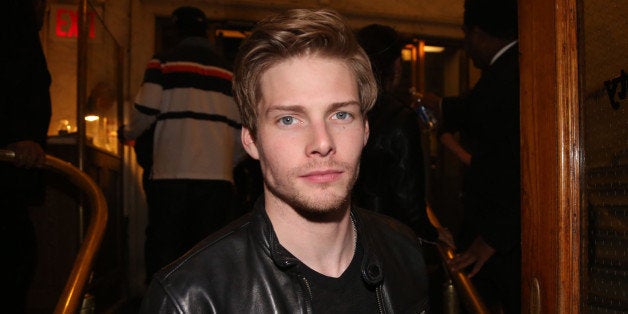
(451, 304)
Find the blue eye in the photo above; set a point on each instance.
(287, 120)
(342, 115)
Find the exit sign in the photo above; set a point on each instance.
(66, 22)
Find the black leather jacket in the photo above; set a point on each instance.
(244, 269)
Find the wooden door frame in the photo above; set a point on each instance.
(550, 156)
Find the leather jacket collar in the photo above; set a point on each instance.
(372, 272)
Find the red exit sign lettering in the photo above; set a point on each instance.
(67, 23)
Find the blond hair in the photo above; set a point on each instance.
(298, 32)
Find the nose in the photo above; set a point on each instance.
(321, 141)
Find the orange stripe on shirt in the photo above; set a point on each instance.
(153, 64)
(215, 72)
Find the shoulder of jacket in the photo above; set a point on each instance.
(212, 248)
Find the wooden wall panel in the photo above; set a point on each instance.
(550, 155)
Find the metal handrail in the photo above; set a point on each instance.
(72, 294)
(470, 297)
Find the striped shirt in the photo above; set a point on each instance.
(187, 91)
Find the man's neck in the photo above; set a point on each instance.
(326, 247)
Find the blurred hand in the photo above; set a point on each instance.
(477, 254)
(444, 235)
(28, 154)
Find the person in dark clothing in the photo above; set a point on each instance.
(25, 111)
(488, 116)
(303, 86)
(392, 171)
(249, 184)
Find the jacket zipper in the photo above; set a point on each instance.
(378, 293)
(308, 294)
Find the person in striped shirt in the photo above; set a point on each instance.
(186, 94)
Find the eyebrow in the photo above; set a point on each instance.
(337, 105)
(300, 108)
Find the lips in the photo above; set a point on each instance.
(322, 176)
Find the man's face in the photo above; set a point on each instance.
(310, 134)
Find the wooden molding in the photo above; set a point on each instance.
(550, 147)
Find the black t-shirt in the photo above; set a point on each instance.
(345, 294)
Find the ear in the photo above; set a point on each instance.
(249, 143)
(366, 131)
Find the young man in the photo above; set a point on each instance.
(303, 86)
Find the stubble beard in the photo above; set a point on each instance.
(330, 207)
